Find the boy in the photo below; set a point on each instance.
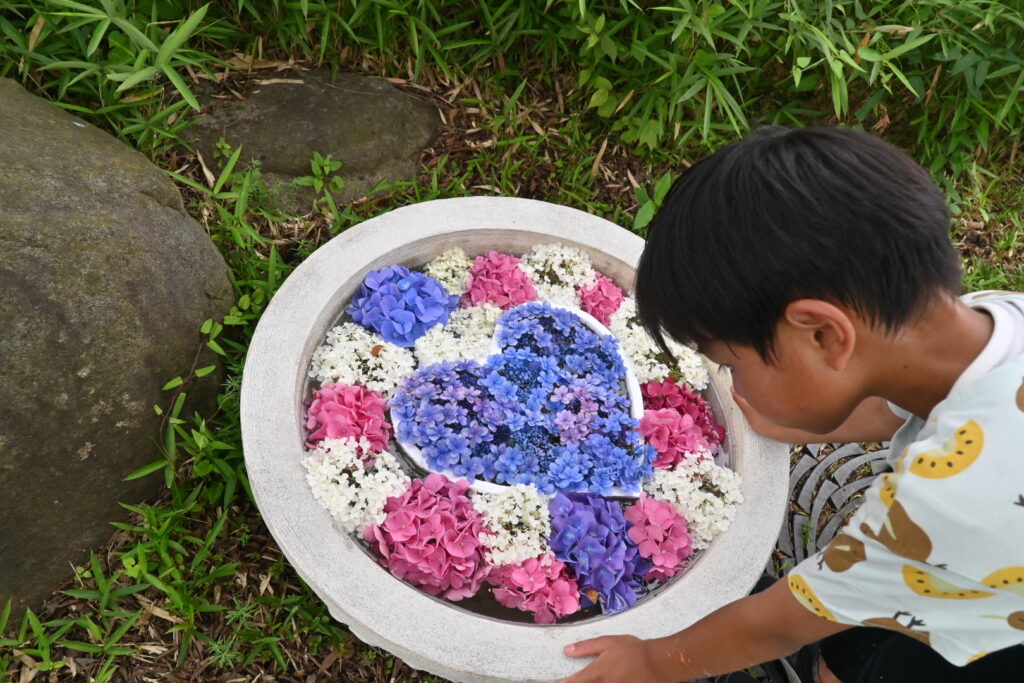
(815, 265)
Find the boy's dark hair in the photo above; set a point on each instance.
(823, 213)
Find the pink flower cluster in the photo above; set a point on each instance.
(341, 410)
(669, 394)
(541, 585)
(497, 278)
(601, 299)
(429, 538)
(661, 536)
(673, 434)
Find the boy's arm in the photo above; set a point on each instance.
(752, 630)
(872, 420)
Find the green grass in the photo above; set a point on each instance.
(592, 105)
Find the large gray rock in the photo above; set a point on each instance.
(376, 131)
(105, 282)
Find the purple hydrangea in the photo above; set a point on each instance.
(590, 535)
(401, 305)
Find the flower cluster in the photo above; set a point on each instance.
(497, 278)
(451, 269)
(430, 538)
(601, 299)
(590, 535)
(341, 411)
(523, 417)
(516, 524)
(401, 305)
(541, 585)
(352, 355)
(661, 536)
(674, 435)
(355, 491)
(669, 394)
(469, 335)
(558, 272)
(702, 492)
(648, 361)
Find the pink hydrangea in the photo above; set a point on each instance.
(429, 538)
(341, 410)
(661, 536)
(497, 278)
(673, 434)
(669, 394)
(541, 585)
(602, 299)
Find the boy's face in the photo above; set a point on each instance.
(794, 391)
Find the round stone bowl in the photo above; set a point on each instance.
(425, 632)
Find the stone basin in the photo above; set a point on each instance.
(426, 632)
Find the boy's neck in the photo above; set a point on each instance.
(918, 367)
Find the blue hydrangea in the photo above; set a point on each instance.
(401, 305)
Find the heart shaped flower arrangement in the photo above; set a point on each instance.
(531, 467)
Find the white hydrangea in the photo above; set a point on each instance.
(352, 354)
(704, 493)
(353, 493)
(647, 359)
(520, 522)
(451, 269)
(468, 335)
(557, 272)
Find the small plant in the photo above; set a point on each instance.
(324, 180)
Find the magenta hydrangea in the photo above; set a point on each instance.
(601, 299)
(497, 279)
(340, 411)
(661, 535)
(669, 394)
(430, 538)
(674, 435)
(541, 585)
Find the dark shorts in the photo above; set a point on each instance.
(874, 655)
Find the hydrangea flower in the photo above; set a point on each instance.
(516, 524)
(541, 585)
(430, 538)
(353, 355)
(401, 305)
(590, 535)
(451, 269)
(703, 492)
(674, 435)
(661, 536)
(497, 278)
(670, 394)
(558, 272)
(649, 362)
(343, 411)
(353, 489)
(469, 335)
(601, 299)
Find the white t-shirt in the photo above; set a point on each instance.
(936, 551)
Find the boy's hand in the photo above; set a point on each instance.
(619, 658)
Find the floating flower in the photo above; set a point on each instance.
(589, 534)
(516, 524)
(669, 394)
(342, 411)
(601, 299)
(649, 362)
(451, 269)
(469, 335)
(702, 492)
(353, 355)
(497, 278)
(557, 272)
(353, 489)
(673, 434)
(430, 538)
(661, 536)
(401, 305)
(541, 585)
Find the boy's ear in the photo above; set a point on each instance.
(825, 327)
